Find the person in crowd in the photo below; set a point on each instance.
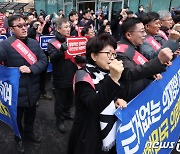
(126, 8)
(151, 47)
(99, 19)
(88, 31)
(80, 15)
(61, 14)
(116, 23)
(141, 11)
(97, 88)
(73, 18)
(34, 32)
(46, 23)
(41, 19)
(35, 13)
(22, 13)
(42, 12)
(5, 24)
(138, 71)
(166, 23)
(30, 70)
(130, 14)
(6, 16)
(105, 27)
(176, 19)
(63, 73)
(30, 17)
(86, 20)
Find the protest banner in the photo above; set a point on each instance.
(44, 41)
(9, 85)
(150, 123)
(43, 44)
(2, 28)
(76, 46)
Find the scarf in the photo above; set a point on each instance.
(107, 117)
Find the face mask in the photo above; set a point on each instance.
(141, 9)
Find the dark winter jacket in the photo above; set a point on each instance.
(29, 83)
(148, 51)
(85, 136)
(85, 22)
(116, 27)
(63, 69)
(136, 77)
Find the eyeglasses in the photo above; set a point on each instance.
(140, 31)
(21, 25)
(168, 19)
(110, 54)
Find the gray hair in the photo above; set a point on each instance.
(163, 14)
(59, 21)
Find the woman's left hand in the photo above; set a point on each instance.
(121, 103)
(157, 76)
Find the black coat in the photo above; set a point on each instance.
(29, 83)
(85, 136)
(63, 69)
(136, 77)
(116, 27)
(148, 51)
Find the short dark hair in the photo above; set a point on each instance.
(97, 43)
(30, 14)
(150, 16)
(129, 12)
(129, 25)
(12, 18)
(108, 23)
(85, 30)
(176, 19)
(72, 13)
(32, 23)
(85, 11)
(40, 16)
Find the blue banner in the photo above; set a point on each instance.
(9, 85)
(150, 124)
(44, 41)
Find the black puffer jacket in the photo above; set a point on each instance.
(63, 69)
(29, 83)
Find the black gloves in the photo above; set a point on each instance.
(80, 59)
(64, 47)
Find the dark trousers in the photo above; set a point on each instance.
(43, 79)
(43, 82)
(63, 102)
(29, 114)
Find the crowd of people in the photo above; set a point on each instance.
(110, 74)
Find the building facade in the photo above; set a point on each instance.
(109, 6)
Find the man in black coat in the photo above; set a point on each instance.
(30, 68)
(73, 18)
(138, 71)
(63, 73)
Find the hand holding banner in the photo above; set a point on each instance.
(150, 123)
